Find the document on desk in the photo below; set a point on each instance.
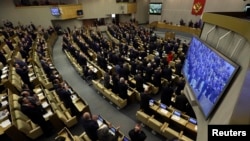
(5, 71)
(37, 90)
(174, 117)
(4, 114)
(95, 70)
(5, 123)
(73, 97)
(31, 74)
(195, 127)
(109, 67)
(40, 96)
(4, 76)
(48, 114)
(163, 111)
(45, 104)
(4, 103)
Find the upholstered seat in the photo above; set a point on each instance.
(143, 117)
(119, 102)
(66, 118)
(79, 104)
(29, 128)
(16, 105)
(155, 124)
(85, 137)
(169, 132)
(19, 115)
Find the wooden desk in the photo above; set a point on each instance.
(180, 121)
(154, 107)
(164, 112)
(186, 29)
(3, 129)
(66, 134)
(192, 127)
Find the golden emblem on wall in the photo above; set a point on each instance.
(197, 7)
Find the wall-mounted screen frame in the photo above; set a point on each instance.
(208, 74)
(155, 8)
(55, 11)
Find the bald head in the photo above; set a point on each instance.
(86, 116)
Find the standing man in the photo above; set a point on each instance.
(137, 134)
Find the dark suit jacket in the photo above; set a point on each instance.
(144, 103)
(91, 127)
(34, 113)
(123, 90)
(139, 83)
(137, 136)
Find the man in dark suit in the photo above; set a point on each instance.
(65, 96)
(123, 88)
(136, 134)
(90, 126)
(144, 103)
(181, 103)
(166, 94)
(139, 82)
(33, 111)
(22, 70)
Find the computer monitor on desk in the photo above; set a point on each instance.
(177, 113)
(125, 139)
(112, 130)
(100, 120)
(192, 120)
(151, 102)
(163, 106)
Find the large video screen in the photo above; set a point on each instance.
(208, 73)
(155, 8)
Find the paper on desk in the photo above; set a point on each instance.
(164, 111)
(174, 117)
(73, 97)
(5, 123)
(40, 96)
(48, 114)
(45, 104)
(37, 90)
(4, 103)
(4, 76)
(195, 128)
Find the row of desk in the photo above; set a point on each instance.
(175, 118)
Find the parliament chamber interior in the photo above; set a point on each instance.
(127, 66)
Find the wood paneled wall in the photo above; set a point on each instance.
(69, 11)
